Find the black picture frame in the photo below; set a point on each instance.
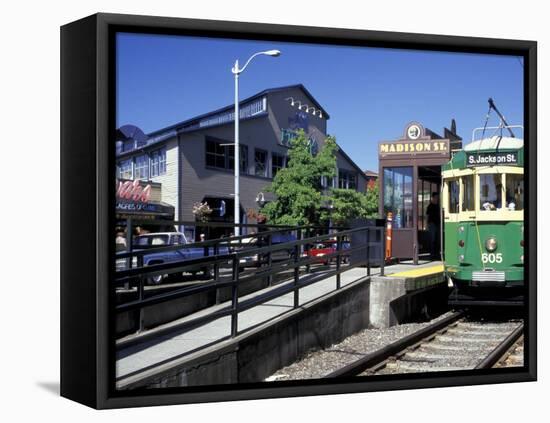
(87, 206)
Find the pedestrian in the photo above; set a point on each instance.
(120, 241)
(434, 224)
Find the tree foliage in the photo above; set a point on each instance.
(301, 199)
(298, 186)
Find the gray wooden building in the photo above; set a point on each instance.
(193, 159)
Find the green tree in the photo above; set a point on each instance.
(300, 198)
(349, 204)
(371, 203)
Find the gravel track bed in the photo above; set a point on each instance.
(317, 364)
(471, 342)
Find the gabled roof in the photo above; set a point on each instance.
(230, 107)
(350, 160)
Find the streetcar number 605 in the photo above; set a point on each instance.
(491, 258)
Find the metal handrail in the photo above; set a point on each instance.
(293, 263)
(281, 246)
(206, 243)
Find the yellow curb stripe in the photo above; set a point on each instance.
(415, 273)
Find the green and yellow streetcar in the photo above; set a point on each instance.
(482, 206)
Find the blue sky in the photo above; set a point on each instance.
(370, 93)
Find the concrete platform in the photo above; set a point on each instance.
(402, 295)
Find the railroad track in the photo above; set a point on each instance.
(451, 343)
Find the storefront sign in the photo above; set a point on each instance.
(414, 131)
(437, 147)
(491, 159)
(131, 208)
(132, 190)
(295, 123)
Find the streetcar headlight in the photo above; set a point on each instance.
(521, 258)
(461, 258)
(491, 244)
(461, 243)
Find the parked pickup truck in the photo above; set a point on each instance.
(165, 239)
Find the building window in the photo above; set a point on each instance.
(327, 182)
(215, 154)
(260, 163)
(158, 162)
(125, 169)
(278, 162)
(346, 179)
(243, 157)
(397, 190)
(141, 167)
(162, 161)
(223, 156)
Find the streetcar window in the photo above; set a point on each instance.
(453, 193)
(490, 192)
(468, 194)
(514, 191)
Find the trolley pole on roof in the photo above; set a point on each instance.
(492, 106)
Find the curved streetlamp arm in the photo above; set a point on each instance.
(236, 69)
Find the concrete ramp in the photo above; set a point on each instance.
(272, 336)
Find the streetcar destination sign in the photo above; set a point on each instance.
(492, 159)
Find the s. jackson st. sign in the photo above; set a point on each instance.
(492, 158)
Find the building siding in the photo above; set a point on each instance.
(169, 180)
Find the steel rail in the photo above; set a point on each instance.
(390, 350)
(501, 349)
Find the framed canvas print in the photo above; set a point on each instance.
(257, 211)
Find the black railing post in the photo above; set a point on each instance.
(296, 272)
(306, 250)
(217, 272)
(383, 251)
(129, 246)
(338, 260)
(141, 317)
(368, 251)
(235, 297)
(269, 259)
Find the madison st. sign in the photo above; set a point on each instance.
(424, 147)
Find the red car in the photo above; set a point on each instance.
(325, 248)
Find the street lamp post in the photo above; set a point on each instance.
(236, 71)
